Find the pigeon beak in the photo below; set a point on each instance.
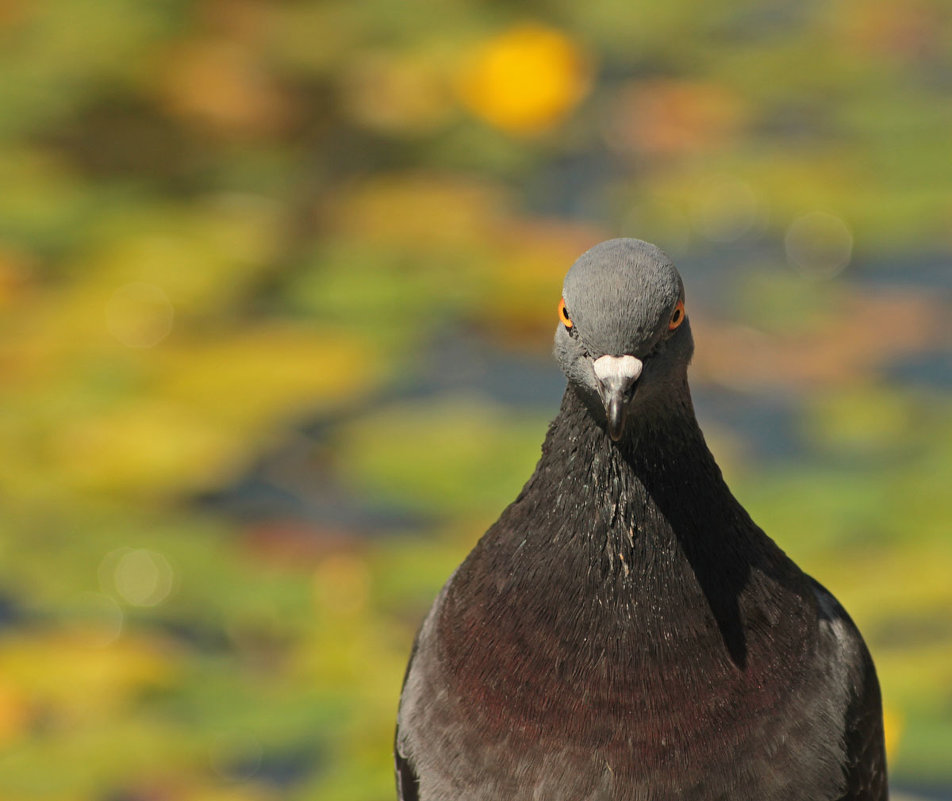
(616, 377)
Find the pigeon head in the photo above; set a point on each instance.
(623, 338)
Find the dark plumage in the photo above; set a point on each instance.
(625, 631)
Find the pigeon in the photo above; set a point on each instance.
(625, 631)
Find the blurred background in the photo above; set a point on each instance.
(278, 282)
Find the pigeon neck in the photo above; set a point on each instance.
(661, 452)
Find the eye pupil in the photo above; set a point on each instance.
(677, 316)
(564, 315)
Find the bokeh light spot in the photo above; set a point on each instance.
(139, 315)
(819, 245)
(141, 577)
(526, 79)
(235, 755)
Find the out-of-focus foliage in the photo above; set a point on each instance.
(277, 281)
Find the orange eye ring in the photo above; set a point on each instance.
(677, 316)
(564, 315)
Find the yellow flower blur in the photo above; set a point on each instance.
(525, 80)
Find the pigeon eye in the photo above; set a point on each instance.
(677, 316)
(564, 315)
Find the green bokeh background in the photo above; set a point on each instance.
(277, 289)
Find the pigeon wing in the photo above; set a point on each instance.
(865, 746)
(408, 783)
(865, 762)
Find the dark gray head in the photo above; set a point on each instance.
(623, 338)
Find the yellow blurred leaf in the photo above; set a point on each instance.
(419, 211)
(861, 418)
(208, 406)
(76, 678)
(202, 256)
(150, 445)
(248, 378)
